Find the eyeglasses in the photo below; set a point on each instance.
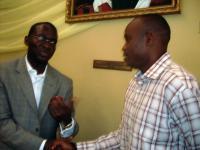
(44, 39)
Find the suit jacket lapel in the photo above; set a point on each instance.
(49, 90)
(25, 83)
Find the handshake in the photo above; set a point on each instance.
(61, 111)
(60, 144)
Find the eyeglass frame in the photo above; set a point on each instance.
(42, 38)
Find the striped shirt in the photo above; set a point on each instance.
(161, 112)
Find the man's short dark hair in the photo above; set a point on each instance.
(33, 27)
(158, 24)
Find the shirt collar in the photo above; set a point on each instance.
(157, 68)
(31, 70)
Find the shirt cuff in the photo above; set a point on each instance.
(42, 145)
(67, 131)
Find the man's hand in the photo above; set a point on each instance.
(59, 144)
(61, 110)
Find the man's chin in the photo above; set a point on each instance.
(42, 60)
(127, 63)
(130, 65)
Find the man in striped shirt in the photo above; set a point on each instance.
(162, 102)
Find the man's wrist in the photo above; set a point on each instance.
(67, 124)
(67, 131)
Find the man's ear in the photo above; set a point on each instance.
(26, 40)
(149, 36)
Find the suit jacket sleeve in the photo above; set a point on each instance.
(69, 96)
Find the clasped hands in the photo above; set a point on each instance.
(59, 144)
(60, 110)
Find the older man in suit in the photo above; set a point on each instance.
(28, 87)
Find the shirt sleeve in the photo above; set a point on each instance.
(67, 131)
(186, 112)
(110, 141)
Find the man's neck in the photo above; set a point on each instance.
(38, 66)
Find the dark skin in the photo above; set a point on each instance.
(59, 144)
(60, 109)
(40, 52)
(38, 55)
(142, 46)
(62, 145)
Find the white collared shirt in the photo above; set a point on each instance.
(37, 81)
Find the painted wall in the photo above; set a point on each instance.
(100, 93)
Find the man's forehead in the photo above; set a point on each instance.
(133, 24)
(43, 27)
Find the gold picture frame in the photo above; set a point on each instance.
(71, 17)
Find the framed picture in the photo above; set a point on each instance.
(90, 10)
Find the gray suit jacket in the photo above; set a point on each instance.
(22, 124)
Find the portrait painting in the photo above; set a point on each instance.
(89, 10)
